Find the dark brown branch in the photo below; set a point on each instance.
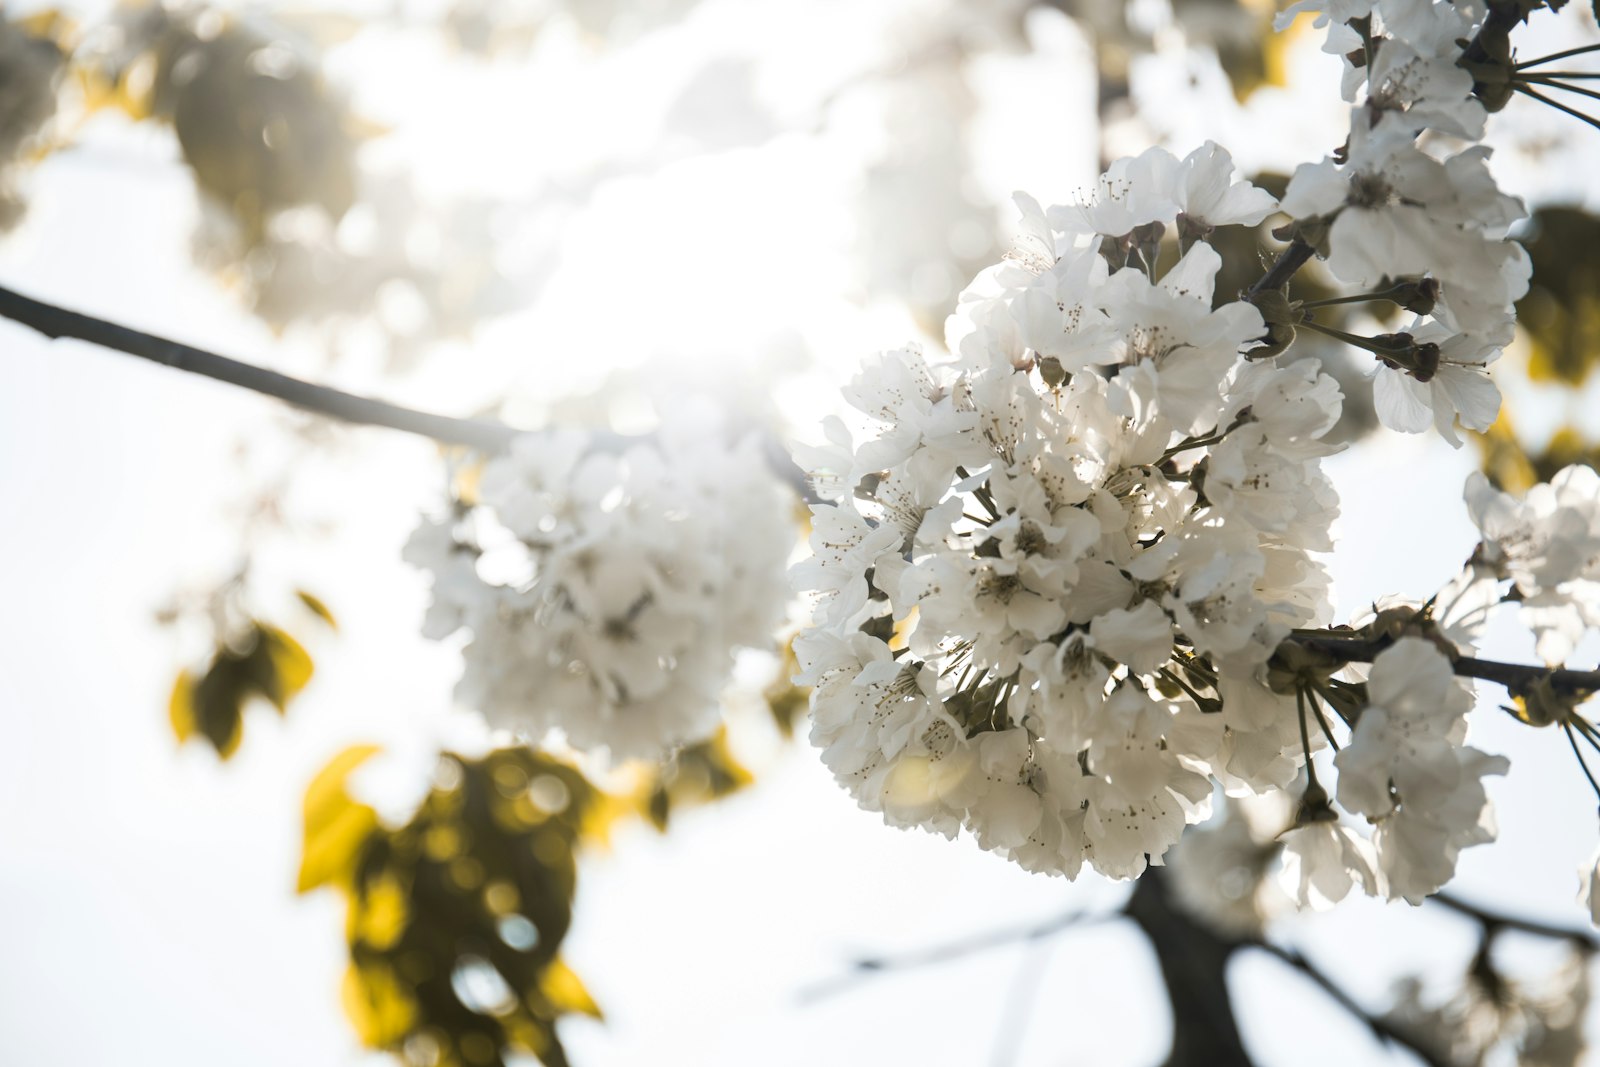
(1194, 962)
(55, 322)
(1516, 677)
(1194, 966)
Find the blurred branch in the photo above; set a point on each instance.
(1383, 1029)
(1194, 959)
(486, 436)
(1194, 965)
(870, 966)
(55, 322)
(1494, 921)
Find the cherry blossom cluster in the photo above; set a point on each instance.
(606, 588)
(1054, 568)
(1407, 771)
(1548, 545)
(1390, 206)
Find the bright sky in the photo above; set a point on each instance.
(147, 892)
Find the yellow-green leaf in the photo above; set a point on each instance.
(565, 992)
(318, 608)
(180, 706)
(378, 916)
(377, 1004)
(335, 825)
(283, 666)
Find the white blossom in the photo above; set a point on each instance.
(1548, 544)
(1323, 861)
(1220, 869)
(1589, 883)
(1407, 769)
(605, 590)
(1045, 595)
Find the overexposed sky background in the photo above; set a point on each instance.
(147, 909)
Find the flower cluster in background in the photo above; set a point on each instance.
(606, 584)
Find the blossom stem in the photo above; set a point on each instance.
(1524, 90)
(1585, 730)
(1552, 75)
(1371, 344)
(1388, 294)
(1202, 701)
(1553, 56)
(1327, 694)
(1305, 739)
(1202, 442)
(1582, 764)
(1590, 93)
(1316, 699)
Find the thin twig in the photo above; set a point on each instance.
(487, 436)
(55, 322)
(1021, 1000)
(871, 966)
(1492, 920)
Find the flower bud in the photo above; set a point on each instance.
(1417, 295)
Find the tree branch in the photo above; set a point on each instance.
(1381, 1028)
(1194, 966)
(1516, 677)
(1492, 921)
(870, 966)
(55, 322)
(1290, 260)
(486, 436)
